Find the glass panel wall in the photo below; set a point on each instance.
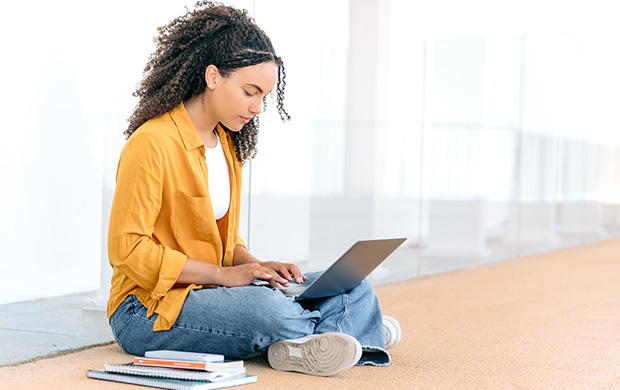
(477, 143)
(340, 171)
(472, 120)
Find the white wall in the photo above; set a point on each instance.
(50, 152)
(67, 73)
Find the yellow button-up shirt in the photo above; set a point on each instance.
(162, 214)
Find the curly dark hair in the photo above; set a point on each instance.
(211, 34)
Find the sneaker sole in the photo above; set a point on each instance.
(323, 355)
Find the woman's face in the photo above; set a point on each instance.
(234, 100)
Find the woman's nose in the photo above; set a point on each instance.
(257, 107)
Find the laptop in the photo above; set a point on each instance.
(348, 271)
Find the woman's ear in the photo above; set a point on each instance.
(212, 75)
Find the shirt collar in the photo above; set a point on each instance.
(186, 128)
(188, 132)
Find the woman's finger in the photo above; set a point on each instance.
(297, 275)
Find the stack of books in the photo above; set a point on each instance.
(177, 371)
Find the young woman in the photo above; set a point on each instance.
(182, 275)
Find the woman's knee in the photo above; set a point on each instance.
(363, 292)
(365, 288)
(281, 317)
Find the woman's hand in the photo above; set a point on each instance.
(244, 274)
(283, 272)
(286, 270)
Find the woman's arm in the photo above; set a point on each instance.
(137, 200)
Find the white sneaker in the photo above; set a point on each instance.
(323, 354)
(391, 332)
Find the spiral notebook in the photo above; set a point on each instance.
(172, 384)
(173, 373)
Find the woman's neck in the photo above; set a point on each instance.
(205, 126)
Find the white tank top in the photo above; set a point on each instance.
(219, 179)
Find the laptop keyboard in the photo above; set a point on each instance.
(294, 290)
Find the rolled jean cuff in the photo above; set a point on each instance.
(374, 356)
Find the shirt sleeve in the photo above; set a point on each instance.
(241, 242)
(131, 246)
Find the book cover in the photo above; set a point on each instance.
(189, 365)
(171, 384)
(182, 355)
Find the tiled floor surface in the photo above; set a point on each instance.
(48, 326)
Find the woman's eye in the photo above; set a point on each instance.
(247, 93)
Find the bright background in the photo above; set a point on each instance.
(479, 130)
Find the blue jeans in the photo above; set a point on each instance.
(241, 322)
